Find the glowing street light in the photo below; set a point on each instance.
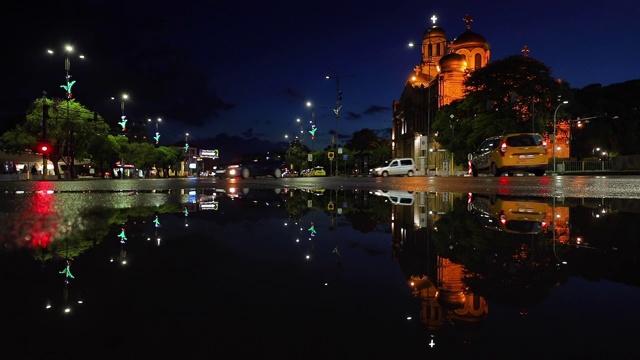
(68, 50)
(301, 129)
(157, 137)
(313, 123)
(554, 133)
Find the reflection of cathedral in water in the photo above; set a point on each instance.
(435, 280)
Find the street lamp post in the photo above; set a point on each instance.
(554, 133)
(123, 123)
(452, 124)
(186, 153)
(301, 130)
(67, 87)
(338, 107)
(593, 152)
(157, 137)
(313, 129)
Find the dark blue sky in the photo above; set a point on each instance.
(265, 60)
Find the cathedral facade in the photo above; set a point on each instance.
(436, 81)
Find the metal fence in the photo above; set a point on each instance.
(569, 166)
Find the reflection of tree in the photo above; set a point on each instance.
(513, 269)
(369, 216)
(296, 205)
(92, 228)
(365, 212)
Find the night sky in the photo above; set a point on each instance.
(247, 68)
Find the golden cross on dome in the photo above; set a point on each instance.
(468, 19)
(525, 51)
(434, 18)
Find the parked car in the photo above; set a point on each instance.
(290, 173)
(255, 167)
(318, 171)
(506, 154)
(395, 167)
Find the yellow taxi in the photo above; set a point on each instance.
(318, 171)
(506, 154)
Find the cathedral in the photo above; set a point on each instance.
(436, 81)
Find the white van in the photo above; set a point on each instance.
(396, 167)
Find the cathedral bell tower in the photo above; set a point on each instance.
(434, 45)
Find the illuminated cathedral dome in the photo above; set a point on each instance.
(419, 80)
(453, 62)
(470, 39)
(434, 31)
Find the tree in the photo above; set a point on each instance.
(296, 155)
(168, 157)
(17, 141)
(362, 140)
(515, 94)
(71, 130)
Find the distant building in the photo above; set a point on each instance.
(436, 81)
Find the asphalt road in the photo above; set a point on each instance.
(611, 186)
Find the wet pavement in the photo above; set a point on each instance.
(220, 270)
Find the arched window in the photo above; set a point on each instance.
(477, 61)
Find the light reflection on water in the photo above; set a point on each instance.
(318, 271)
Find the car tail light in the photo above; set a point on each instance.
(503, 148)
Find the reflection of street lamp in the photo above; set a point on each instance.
(554, 235)
(554, 133)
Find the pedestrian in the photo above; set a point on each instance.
(34, 171)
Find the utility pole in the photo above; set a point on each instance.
(45, 117)
(337, 109)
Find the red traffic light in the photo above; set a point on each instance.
(44, 148)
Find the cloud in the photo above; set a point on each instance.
(353, 116)
(293, 94)
(374, 109)
(248, 133)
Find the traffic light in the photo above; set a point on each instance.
(44, 148)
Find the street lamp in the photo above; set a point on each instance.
(313, 124)
(593, 152)
(338, 105)
(157, 137)
(186, 152)
(554, 133)
(301, 130)
(123, 124)
(68, 49)
(123, 118)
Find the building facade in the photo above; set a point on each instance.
(435, 82)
